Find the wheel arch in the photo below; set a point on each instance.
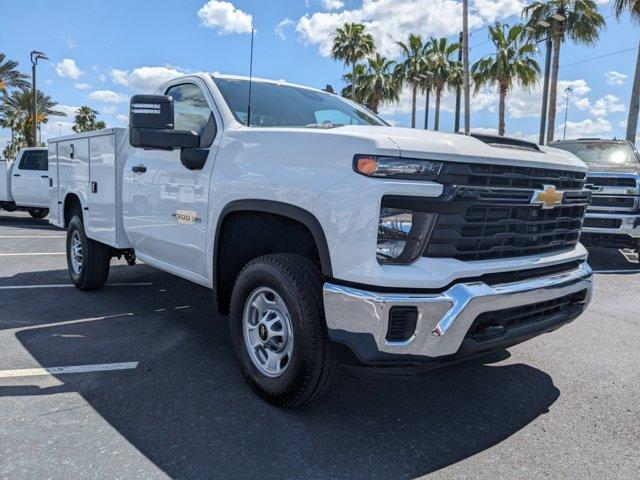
(292, 214)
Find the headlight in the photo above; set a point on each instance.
(396, 167)
(402, 234)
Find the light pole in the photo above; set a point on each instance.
(35, 56)
(465, 66)
(568, 91)
(456, 126)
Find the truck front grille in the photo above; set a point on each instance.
(494, 324)
(480, 175)
(612, 181)
(613, 202)
(479, 232)
(603, 222)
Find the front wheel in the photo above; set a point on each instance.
(88, 261)
(38, 213)
(278, 330)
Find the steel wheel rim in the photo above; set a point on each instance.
(267, 331)
(76, 253)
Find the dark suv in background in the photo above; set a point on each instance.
(613, 218)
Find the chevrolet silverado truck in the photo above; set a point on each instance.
(613, 217)
(328, 236)
(24, 184)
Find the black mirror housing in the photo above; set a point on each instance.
(194, 158)
(151, 124)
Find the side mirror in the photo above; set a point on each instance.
(151, 124)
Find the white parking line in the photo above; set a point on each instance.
(30, 254)
(34, 372)
(33, 236)
(69, 285)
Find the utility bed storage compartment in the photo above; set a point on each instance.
(90, 166)
(5, 181)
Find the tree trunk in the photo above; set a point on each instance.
(501, 110)
(426, 110)
(414, 94)
(553, 90)
(634, 104)
(353, 82)
(436, 122)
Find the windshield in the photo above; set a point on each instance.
(596, 153)
(274, 105)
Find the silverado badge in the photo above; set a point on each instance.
(548, 198)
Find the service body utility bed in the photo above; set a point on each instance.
(90, 166)
(5, 180)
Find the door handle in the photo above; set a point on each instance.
(44, 176)
(139, 169)
(16, 174)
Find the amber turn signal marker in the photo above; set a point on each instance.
(367, 165)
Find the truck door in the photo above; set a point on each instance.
(165, 205)
(30, 179)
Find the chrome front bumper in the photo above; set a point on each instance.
(630, 224)
(443, 318)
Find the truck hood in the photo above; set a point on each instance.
(622, 168)
(417, 143)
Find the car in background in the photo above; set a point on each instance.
(24, 184)
(613, 217)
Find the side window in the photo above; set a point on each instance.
(192, 111)
(34, 160)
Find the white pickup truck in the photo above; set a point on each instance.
(329, 236)
(24, 184)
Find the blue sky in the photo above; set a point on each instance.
(103, 51)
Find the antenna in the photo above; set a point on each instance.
(250, 80)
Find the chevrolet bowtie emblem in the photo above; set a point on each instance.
(548, 198)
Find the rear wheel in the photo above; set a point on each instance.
(278, 330)
(88, 261)
(38, 212)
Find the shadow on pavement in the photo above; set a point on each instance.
(188, 410)
(613, 260)
(19, 221)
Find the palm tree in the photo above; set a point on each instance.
(352, 44)
(360, 72)
(86, 120)
(511, 64)
(633, 7)
(10, 76)
(19, 103)
(379, 83)
(579, 20)
(439, 52)
(411, 69)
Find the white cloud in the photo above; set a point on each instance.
(123, 119)
(225, 17)
(332, 4)
(69, 110)
(615, 78)
(492, 10)
(107, 96)
(606, 105)
(281, 26)
(586, 128)
(71, 45)
(67, 68)
(391, 20)
(56, 128)
(485, 130)
(82, 86)
(622, 123)
(582, 103)
(144, 79)
(109, 110)
(102, 77)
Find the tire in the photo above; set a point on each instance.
(311, 367)
(92, 271)
(38, 213)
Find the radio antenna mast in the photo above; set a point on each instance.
(250, 80)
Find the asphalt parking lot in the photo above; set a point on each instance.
(154, 392)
